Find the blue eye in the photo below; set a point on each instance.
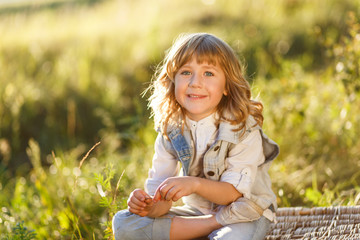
(185, 73)
(209, 74)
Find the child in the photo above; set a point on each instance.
(209, 125)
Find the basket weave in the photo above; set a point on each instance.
(316, 223)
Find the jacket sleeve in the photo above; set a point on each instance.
(242, 163)
(164, 165)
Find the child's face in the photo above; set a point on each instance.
(199, 88)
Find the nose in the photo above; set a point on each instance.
(196, 81)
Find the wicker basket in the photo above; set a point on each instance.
(316, 223)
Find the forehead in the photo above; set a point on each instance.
(205, 49)
(201, 59)
(211, 60)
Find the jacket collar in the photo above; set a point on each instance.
(226, 132)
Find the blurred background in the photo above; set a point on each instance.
(73, 73)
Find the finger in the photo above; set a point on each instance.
(157, 196)
(168, 194)
(132, 205)
(148, 200)
(162, 189)
(177, 196)
(136, 201)
(140, 194)
(140, 213)
(168, 191)
(173, 193)
(134, 210)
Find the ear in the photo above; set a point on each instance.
(225, 93)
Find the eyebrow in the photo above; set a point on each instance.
(212, 66)
(207, 66)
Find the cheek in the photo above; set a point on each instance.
(180, 84)
(176, 93)
(223, 88)
(178, 90)
(218, 90)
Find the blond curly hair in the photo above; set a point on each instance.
(235, 107)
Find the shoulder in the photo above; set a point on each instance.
(162, 143)
(251, 124)
(230, 132)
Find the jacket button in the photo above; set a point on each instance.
(210, 173)
(216, 148)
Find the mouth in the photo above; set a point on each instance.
(196, 96)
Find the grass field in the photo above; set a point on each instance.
(76, 135)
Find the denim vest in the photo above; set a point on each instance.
(214, 158)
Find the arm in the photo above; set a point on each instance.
(174, 188)
(164, 165)
(242, 163)
(159, 209)
(183, 227)
(242, 170)
(141, 203)
(221, 193)
(236, 181)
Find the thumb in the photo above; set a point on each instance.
(157, 196)
(149, 201)
(141, 195)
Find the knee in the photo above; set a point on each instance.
(119, 225)
(129, 226)
(254, 230)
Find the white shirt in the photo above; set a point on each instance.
(242, 161)
(203, 133)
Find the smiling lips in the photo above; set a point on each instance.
(196, 96)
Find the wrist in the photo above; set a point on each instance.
(214, 223)
(160, 208)
(196, 184)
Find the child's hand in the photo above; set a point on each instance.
(174, 188)
(140, 202)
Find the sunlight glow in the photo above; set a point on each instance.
(208, 2)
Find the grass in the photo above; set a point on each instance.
(72, 76)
